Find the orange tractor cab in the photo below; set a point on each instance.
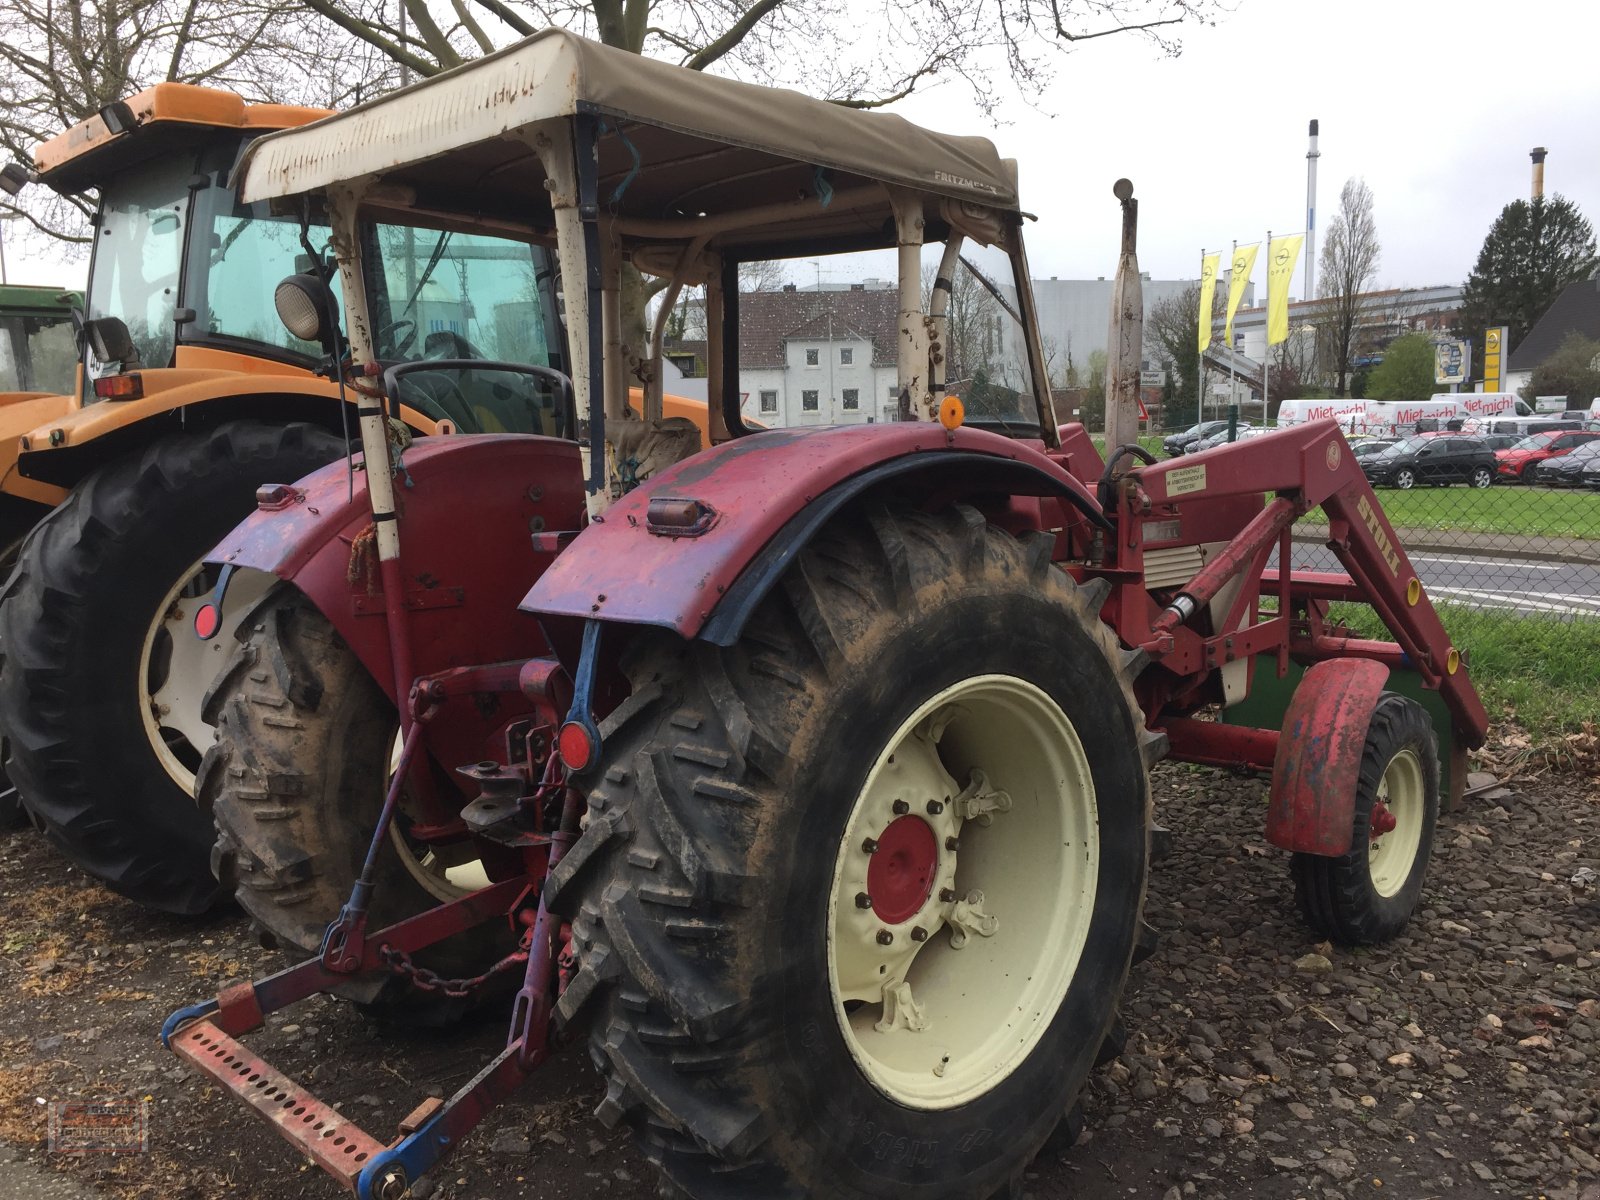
(807, 777)
(190, 394)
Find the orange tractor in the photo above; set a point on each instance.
(808, 776)
(190, 395)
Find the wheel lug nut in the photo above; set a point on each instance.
(919, 934)
(952, 843)
(947, 895)
(870, 845)
(885, 937)
(901, 808)
(934, 808)
(863, 900)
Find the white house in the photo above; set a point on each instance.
(818, 357)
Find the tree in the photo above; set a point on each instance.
(1572, 371)
(1093, 410)
(818, 47)
(1349, 261)
(1173, 328)
(62, 61)
(1534, 249)
(1406, 372)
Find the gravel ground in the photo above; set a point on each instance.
(1461, 1061)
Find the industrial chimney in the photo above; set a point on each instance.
(1537, 154)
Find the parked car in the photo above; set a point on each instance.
(1369, 447)
(1568, 469)
(1520, 426)
(1220, 438)
(1438, 461)
(1495, 441)
(1516, 463)
(1590, 475)
(1181, 443)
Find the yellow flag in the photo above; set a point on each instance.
(1208, 291)
(1281, 257)
(1244, 261)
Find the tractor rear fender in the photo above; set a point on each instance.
(1312, 805)
(697, 547)
(469, 506)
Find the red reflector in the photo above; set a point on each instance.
(119, 387)
(207, 621)
(575, 746)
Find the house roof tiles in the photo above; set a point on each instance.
(1576, 310)
(768, 319)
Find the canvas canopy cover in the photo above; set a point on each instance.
(673, 144)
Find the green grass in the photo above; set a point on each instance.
(1544, 674)
(1537, 512)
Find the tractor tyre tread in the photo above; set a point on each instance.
(301, 727)
(89, 779)
(665, 877)
(1335, 894)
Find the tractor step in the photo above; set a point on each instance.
(335, 1144)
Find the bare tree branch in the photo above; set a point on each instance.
(735, 34)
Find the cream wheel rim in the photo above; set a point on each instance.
(446, 871)
(979, 828)
(177, 669)
(1392, 854)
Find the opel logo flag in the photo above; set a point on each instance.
(1281, 258)
(1244, 262)
(1208, 291)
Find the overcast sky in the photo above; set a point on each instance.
(1436, 104)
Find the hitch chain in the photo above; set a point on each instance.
(401, 964)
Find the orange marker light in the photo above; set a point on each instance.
(119, 387)
(952, 413)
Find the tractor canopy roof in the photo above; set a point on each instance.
(29, 298)
(674, 145)
(150, 123)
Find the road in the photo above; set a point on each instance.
(1520, 585)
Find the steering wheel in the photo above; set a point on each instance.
(392, 329)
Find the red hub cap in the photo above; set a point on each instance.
(1382, 820)
(901, 873)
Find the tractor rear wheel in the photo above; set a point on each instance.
(856, 897)
(102, 678)
(295, 780)
(1366, 895)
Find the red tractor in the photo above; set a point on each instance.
(809, 773)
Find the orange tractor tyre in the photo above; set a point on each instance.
(102, 676)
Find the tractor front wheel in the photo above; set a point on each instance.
(1366, 895)
(857, 896)
(103, 676)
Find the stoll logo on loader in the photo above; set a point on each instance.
(1385, 547)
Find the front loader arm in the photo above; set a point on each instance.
(1307, 467)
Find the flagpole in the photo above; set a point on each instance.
(1200, 367)
(1266, 332)
(1233, 384)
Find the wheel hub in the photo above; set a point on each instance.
(941, 988)
(177, 667)
(1395, 823)
(900, 876)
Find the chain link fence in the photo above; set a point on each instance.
(1507, 524)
